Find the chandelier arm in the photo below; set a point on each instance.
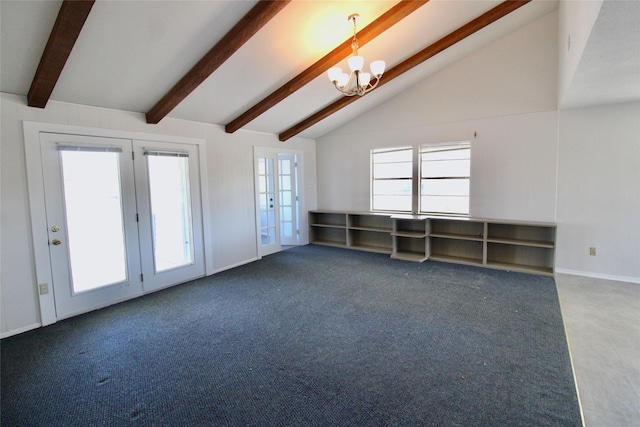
(345, 92)
(374, 84)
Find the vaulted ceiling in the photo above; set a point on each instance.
(251, 65)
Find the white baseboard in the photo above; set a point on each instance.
(237, 264)
(20, 330)
(628, 279)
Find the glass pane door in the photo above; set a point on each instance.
(172, 229)
(94, 218)
(267, 195)
(287, 180)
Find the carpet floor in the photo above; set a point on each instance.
(312, 336)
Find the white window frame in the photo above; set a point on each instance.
(459, 177)
(377, 178)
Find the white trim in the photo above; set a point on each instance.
(237, 264)
(37, 210)
(628, 279)
(107, 133)
(35, 185)
(20, 330)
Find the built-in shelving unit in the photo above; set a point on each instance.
(460, 241)
(328, 228)
(509, 245)
(521, 247)
(363, 231)
(409, 237)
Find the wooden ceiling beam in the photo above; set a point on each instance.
(65, 32)
(447, 41)
(246, 28)
(371, 31)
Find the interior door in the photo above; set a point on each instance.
(91, 221)
(267, 202)
(170, 213)
(289, 199)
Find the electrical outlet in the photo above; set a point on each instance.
(592, 251)
(44, 288)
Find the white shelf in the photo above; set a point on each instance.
(534, 243)
(456, 236)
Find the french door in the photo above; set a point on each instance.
(119, 227)
(277, 199)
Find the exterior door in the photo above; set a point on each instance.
(91, 221)
(169, 212)
(119, 227)
(267, 202)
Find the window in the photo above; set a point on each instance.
(392, 179)
(444, 178)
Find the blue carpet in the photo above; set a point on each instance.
(313, 336)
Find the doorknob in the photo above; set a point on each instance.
(56, 242)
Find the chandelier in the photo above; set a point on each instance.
(356, 82)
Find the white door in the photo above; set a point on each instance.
(289, 199)
(170, 213)
(91, 221)
(267, 202)
(119, 227)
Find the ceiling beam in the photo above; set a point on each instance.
(377, 27)
(447, 41)
(65, 32)
(246, 28)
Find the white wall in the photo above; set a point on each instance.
(599, 191)
(576, 19)
(231, 184)
(579, 168)
(506, 94)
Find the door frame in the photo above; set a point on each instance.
(300, 178)
(39, 231)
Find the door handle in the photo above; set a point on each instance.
(56, 242)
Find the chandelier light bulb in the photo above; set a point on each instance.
(356, 63)
(364, 79)
(334, 73)
(343, 79)
(377, 67)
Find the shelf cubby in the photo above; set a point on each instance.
(327, 219)
(461, 251)
(370, 222)
(457, 229)
(521, 234)
(328, 236)
(371, 241)
(416, 228)
(409, 248)
(530, 259)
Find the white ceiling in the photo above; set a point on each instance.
(130, 53)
